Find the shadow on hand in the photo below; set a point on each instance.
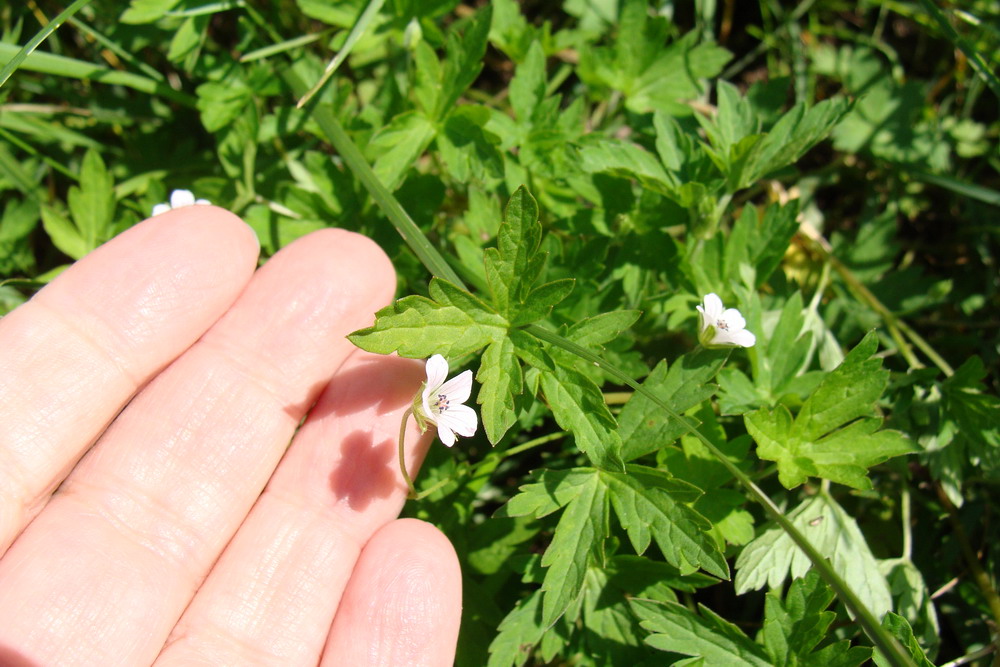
(364, 471)
(11, 658)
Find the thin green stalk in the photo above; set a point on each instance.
(979, 575)
(366, 18)
(975, 58)
(286, 45)
(905, 519)
(30, 150)
(879, 636)
(897, 327)
(412, 492)
(39, 37)
(397, 215)
(50, 63)
(149, 71)
(211, 8)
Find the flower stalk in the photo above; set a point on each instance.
(411, 492)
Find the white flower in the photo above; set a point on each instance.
(178, 199)
(441, 402)
(722, 327)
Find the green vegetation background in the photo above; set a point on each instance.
(830, 168)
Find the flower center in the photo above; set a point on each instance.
(722, 325)
(441, 404)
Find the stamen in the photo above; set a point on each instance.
(722, 325)
(442, 403)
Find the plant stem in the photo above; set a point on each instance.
(896, 326)
(879, 636)
(393, 210)
(904, 511)
(412, 492)
(971, 560)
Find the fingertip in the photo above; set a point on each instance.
(210, 226)
(403, 605)
(370, 270)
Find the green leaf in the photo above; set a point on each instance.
(63, 233)
(901, 629)
(600, 329)
(793, 628)
(500, 377)
(578, 541)
(527, 88)
(464, 60)
(513, 266)
(222, 103)
(92, 204)
(822, 441)
(650, 504)
(773, 557)
(468, 149)
(644, 427)
(625, 160)
(539, 302)
(147, 11)
(398, 145)
(456, 323)
(678, 630)
(519, 632)
(578, 407)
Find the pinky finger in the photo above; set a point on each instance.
(403, 603)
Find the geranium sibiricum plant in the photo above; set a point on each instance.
(440, 402)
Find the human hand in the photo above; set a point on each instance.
(158, 544)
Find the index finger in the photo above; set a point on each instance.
(75, 353)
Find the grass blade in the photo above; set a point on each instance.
(49, 63)
(367, 16)
(39, 37)
(975, 58)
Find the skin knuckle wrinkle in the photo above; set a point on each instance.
(157, 528)
(256, 369)
(107, 351)
(334, 517)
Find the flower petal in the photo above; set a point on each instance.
(204, 202)
(458, 388)
(459, 418)
(179, 198)
(160, 208)
(734, 319)
(437, 373)
(744, 338)
(713, 305)
(741, 338)
(447, 435)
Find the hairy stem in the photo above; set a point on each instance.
(412, 492)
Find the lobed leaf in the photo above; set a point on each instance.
(500, 376)
(819, 442)
(578, 407)
(418, 327)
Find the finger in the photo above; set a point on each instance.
(104, 572)
(75, 353)
(285, 569)
(403, 604)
